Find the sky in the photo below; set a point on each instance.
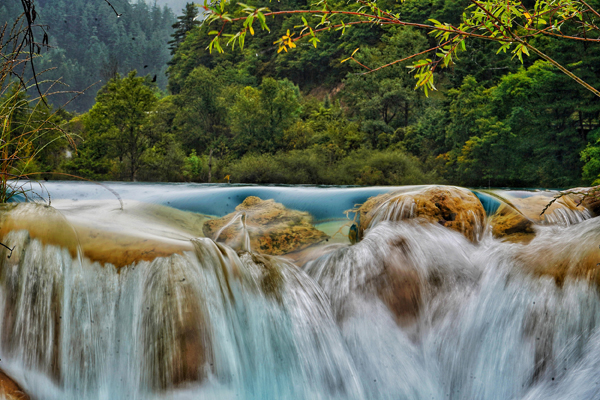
(176, 5)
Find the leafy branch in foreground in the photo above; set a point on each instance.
(510, 24)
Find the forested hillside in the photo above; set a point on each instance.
(303, 116)
(90, 44)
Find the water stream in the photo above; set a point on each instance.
(412, 311)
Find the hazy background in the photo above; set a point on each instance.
(175, 5)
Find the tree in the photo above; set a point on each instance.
(591, 157)
(185, 23)
(260, 116)
(120, 119)
(201, 115)
(80, 40)
(385, 101)
(520, 132)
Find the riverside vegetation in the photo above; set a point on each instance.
(302, 116)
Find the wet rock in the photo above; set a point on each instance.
(454, 208)
(390, 266)
(402, 292)
(587, 197)
(507, 223)
(176, 329)
(520, 211)
(103, 233)
(273, 228)
(565, 209)
(10, 390)
(268, 272)
(553, 255)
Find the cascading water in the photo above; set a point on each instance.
(413, 311)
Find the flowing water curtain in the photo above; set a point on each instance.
(253, 324)
(476, 321)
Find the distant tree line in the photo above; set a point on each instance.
(90, 44)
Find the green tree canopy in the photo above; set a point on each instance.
(120, 118)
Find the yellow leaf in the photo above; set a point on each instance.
(354, 52)
(280, 49)
(529, 19)
(251, 30)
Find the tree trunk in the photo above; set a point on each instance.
(581, 129)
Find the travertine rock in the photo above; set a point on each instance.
(10, 390)
(507, 223)
(455, 208)
(273, 228)
(532, 207)
(105, 234)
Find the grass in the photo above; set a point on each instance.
(27, 124)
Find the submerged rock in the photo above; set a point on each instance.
(273, 228)
(560, 257)
(455, 208)
(390, 266)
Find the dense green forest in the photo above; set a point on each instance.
(303, 116)
(89, 44)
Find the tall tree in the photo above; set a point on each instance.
(201, 112)
(120, 116)
(184, 24)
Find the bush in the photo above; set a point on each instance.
(256, 169)
(388, 167)
(311, 166)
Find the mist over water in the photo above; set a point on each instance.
(413, 311)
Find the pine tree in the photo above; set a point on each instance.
(184, 24)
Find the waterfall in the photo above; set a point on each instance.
(413, 311)
(210, 319)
